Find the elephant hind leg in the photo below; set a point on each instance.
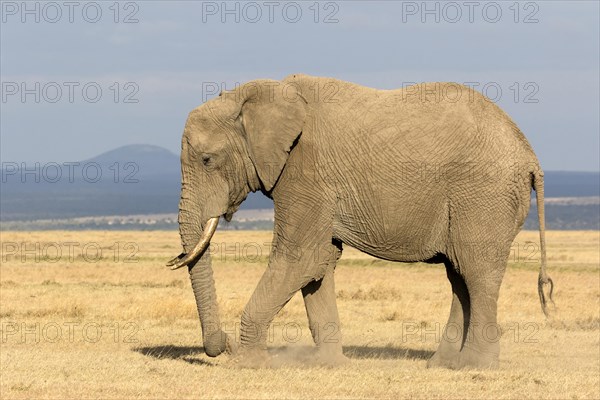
(482, 268)
(453, 336)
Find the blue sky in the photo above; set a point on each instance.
(543, 56)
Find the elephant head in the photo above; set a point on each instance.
(233, 144)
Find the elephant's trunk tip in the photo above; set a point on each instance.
(174, 260)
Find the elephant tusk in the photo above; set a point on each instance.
(209, 230)
(174, 260)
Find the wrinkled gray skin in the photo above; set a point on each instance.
(434, 173)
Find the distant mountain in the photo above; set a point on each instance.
(133, 179)
(145, 179)
(153, 162)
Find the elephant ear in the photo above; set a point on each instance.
(272, 115)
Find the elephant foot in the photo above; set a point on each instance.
(442, 360)
(467, 358)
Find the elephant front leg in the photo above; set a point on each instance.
(282, 279)
(291, 269)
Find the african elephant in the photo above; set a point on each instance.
(432, 172)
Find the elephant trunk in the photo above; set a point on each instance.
(201, 273)
(203, 284)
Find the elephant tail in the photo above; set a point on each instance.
(543, 278)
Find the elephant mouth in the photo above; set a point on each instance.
(229, 214)
(184, 259)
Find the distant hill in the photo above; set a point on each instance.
(145, 179)
(154, 162)
(133, 179)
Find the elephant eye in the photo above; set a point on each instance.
(206, 159)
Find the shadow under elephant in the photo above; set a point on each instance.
(293, 356)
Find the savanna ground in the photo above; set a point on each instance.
(75, 326)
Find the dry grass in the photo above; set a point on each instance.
(112, 329)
